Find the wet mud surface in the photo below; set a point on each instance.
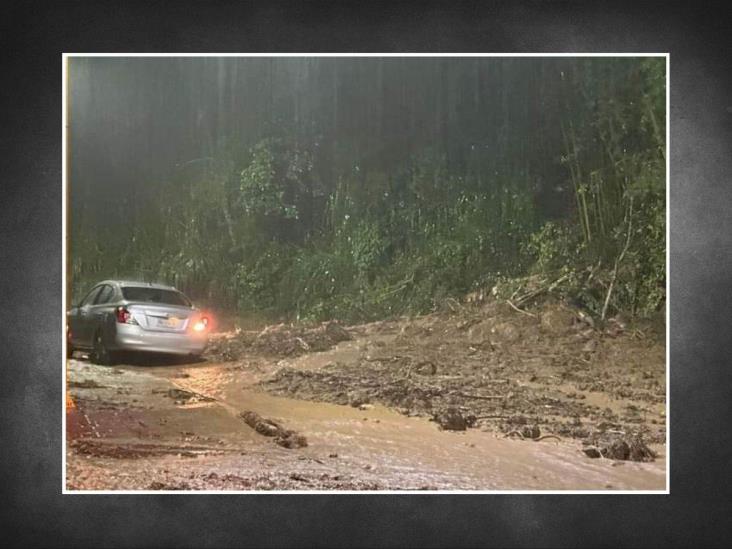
(499, 371)
(485, 398)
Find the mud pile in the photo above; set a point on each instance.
(281, 340)
(493, 367)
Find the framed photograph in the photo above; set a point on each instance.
(381, 273)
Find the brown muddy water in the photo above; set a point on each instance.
(178, 427)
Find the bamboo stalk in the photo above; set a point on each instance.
(575, 183)
(619, 259)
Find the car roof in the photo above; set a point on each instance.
(138, 284)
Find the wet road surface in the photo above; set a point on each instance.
(177, 426)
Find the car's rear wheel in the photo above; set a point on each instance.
(100, 353)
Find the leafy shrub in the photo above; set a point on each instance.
(554, 246)
(262, 187)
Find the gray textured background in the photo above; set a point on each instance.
(34, 513)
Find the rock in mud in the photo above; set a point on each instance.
(624, 448)
(263, 426)
(632, 449)
(531, 431)
(453, 419)
(639, 451)
(291, 439)
(592, 452)
(181, 396)
(618, 449)
(269, 428)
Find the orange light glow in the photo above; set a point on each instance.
(204, 322)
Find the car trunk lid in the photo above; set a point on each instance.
(161, 318)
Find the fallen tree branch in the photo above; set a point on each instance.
(520, 310)
(522, 437)
(481, 397)
(543, 289)
(544, 437)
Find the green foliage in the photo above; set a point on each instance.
(260, 192)
(554, 246)
(280, 227)
(643, 288)
(264, 182)
(316, 285)
(256, 280)
(367, 249)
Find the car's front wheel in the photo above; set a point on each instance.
(100, 353)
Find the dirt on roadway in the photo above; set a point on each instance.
(479, 398)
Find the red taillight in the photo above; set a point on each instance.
(124, 316)
(201, 324)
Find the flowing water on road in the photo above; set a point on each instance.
(160, 441)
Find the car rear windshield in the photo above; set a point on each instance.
(155, 295)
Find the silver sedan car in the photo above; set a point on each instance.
(119, 315)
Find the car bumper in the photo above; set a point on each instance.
(134, 338)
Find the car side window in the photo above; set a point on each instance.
(90, 297)
(105, 295)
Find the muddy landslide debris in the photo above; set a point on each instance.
(280, 340)
(493, 368)
(621, 448)
(85, 384)
(182, 396)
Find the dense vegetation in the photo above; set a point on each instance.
(363, 188)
